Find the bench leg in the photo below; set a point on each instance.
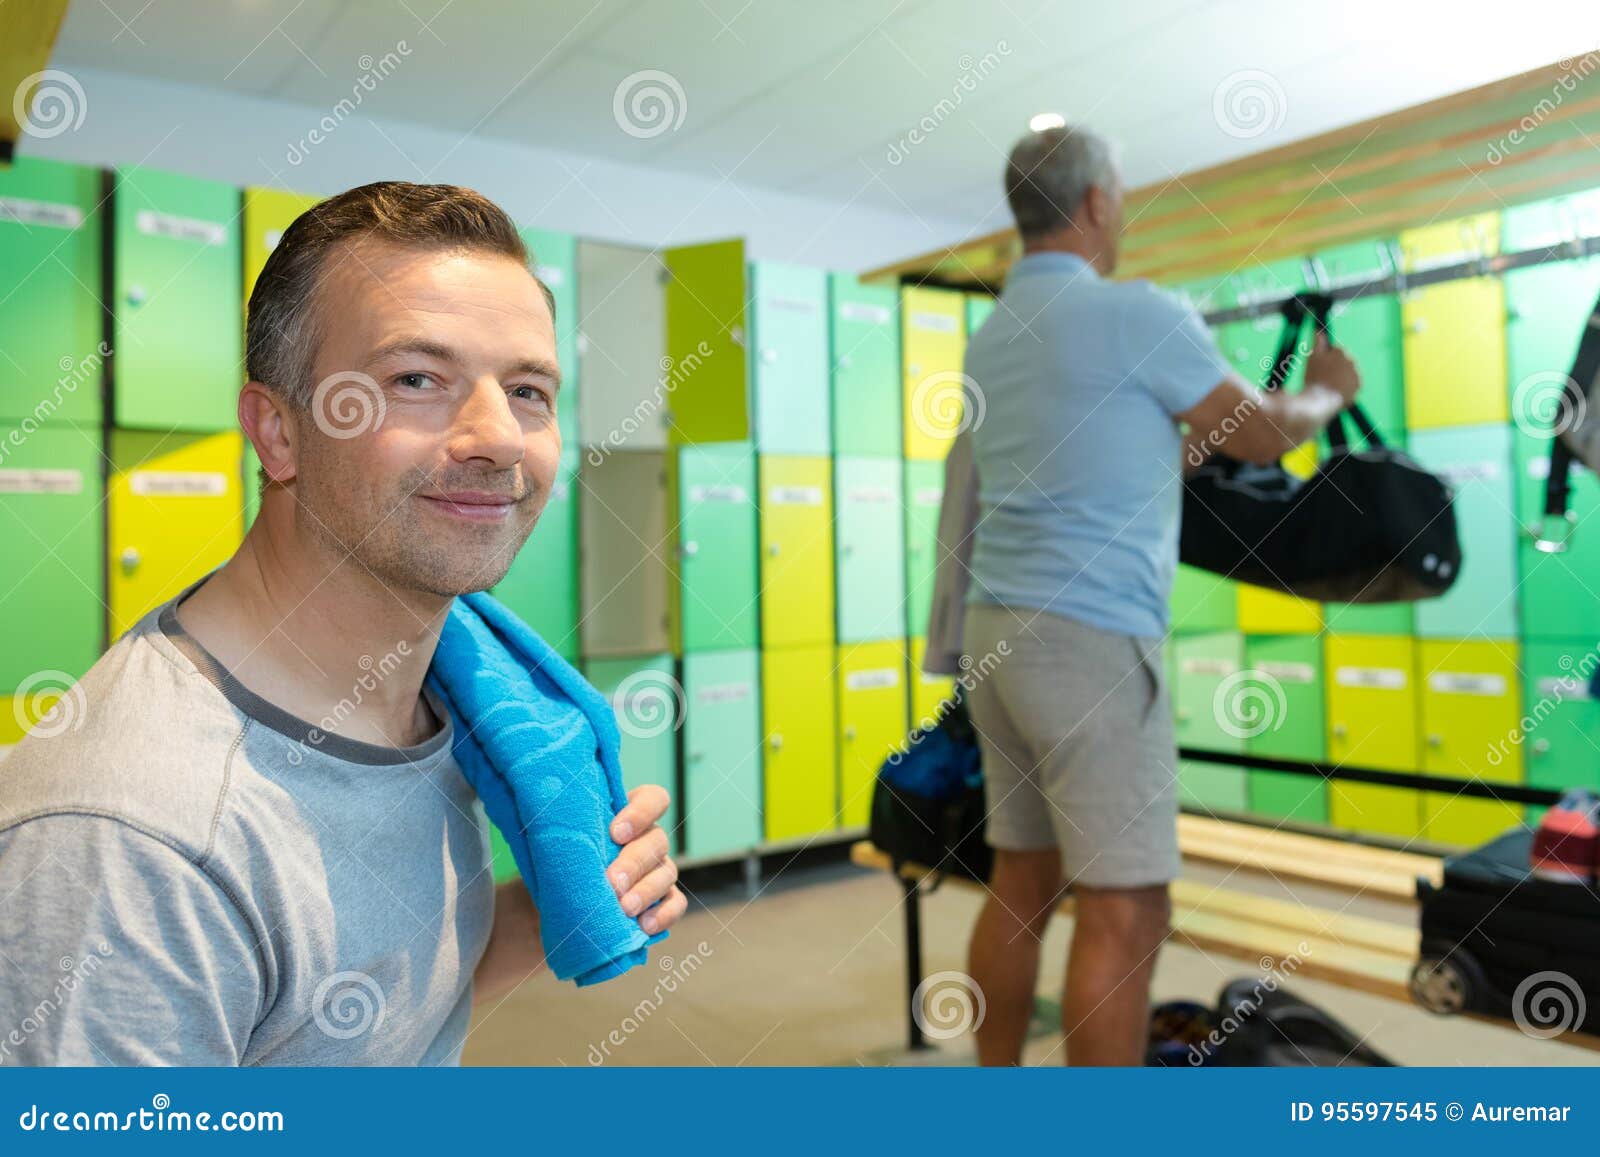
(913, 908)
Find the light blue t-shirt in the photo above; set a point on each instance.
(1078, 451)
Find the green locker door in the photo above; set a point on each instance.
(866, 368)
(1471, 707)
(50, 227)
(648, 701)
(555, 262)
(1368, 328)
(52, 569)
(1281, 707)
(1202, 602)
(722, 752)
(1476, 460)
(871, 549)
(789, 360)
(1560, 593)
(625, 572)
(797, 573)
(706, 341)
(801, 762)
(1251, 345)
(716, 548)
(1372, 723)
(1207, 669)
(1563, 743)
(924, 492)
(176, 296)
(542, 585)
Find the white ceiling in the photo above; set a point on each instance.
(811, 96)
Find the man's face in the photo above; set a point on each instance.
(431, 446)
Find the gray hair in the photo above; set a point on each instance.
(1050, 172)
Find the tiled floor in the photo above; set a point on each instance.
(811, 973)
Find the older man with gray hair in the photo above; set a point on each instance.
(1092, 390)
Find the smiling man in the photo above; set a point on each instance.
(254, 845)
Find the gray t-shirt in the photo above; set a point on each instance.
(190, 875)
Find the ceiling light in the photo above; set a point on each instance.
(1047, 120)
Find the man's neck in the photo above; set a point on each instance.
(1073, 243)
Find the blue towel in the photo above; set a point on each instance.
(540, 747)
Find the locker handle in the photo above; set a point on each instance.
(849, 732)
(1541, 746)
(1418, 325)
(691, 548)
(130, 558)
(772, 550)
(769, 356)
(915, 369)
(845, 362)
(776, 742)
(1184, 715)
(696, 756)
(137, 295)
(1340, 731)
(1435, 741)
(846, 550)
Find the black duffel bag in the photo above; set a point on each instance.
(928, 804)
(1370, 526)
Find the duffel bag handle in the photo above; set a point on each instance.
(1318, 307)
(1554, 531)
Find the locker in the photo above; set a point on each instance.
(1205, 685)
(1251, 345)
(979, 307)
(789, 359)
(1369, 618)
(873, 719)
(929, 693)
(52, 568)
(1455, 334)
(870, 547)
(1212, 787)
(706, 330)
(1372, 709)
(503, 866)
(648, 701)
(554, 257)
(50, 324)
(1283, 707)
(251, 481)
(625, 401)
(1471, 703)
(797, 596)
(1368, 328)
(542, 585)
(800, 761)
(933, 339)
(625, 575)
(1560, 724)
(722, 752)
(1477, 462)
(866, 368)
(267, 213)
(1559, 595)
(175, 512)
(715, 555)
(177, 302)
(1203, 602)
(924, 492)
(1267, 612)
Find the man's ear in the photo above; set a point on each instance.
(266, 421)
(1098, 207)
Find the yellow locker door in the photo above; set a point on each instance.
(176, 511)
(800, 789)
(872, 720)
(1264, 612)
(267, 213)
(1372, 723)
(934, 345)
(796, 551)
(1471, 704)
(929, 693)
(1454, 334)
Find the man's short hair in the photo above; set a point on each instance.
(281, 330)
(1050, 172)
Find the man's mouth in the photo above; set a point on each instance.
(472, 505)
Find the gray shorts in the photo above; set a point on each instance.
(1078, 752)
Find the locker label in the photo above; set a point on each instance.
(1382, 678)
(936, 322)
(724, 693)
(155, 224)
(1289, 672)
(928, 496)
(792, 304)
(1461, 683)
(15, 480)
(795, 495)
(1463, 472)
(40, 213)
(1205, 666)
(872, 680)
(718, 494)
(870, 494)
(178, 483)
(1564, 688)
(859, 311)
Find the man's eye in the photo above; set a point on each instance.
(529, 393)
(414, 381)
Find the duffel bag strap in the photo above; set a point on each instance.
(1552, 533)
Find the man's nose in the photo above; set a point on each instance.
(486, 428)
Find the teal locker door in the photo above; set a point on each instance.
(52, 583)
(924, 491)
(648, 701)
(1368, 328)
(717, 552)
(1560, 593)
(1476, 460)
(866, 368)
(790, 359)
(871, 558)
(554, 257)
(1207, 670)
(51, 369)
(1203, 602)
(542, 585)
(1280, 707)
(175, 264)
(722, 752)
(1564, 740)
